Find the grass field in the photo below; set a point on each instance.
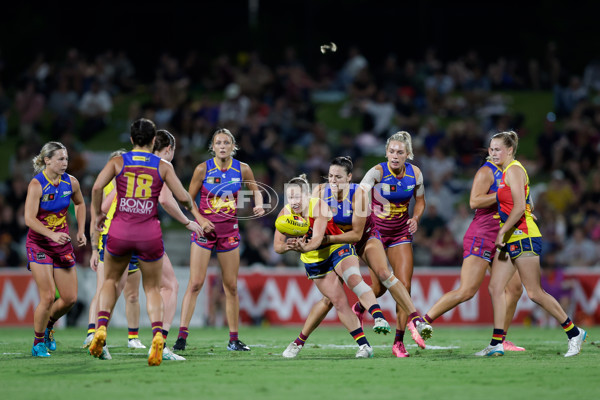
(325, 368)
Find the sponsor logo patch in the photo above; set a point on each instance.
(40, 256)
(202, 239)
(233, 240)
(342, 252)
(487, 254)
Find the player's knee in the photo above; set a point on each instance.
(495, 290)
(196, 286)
(47, 298)
(352, 276)
(535, 295)
(230, 288)
(326, 302)
(339, 302)
(466, 294)
(514, 290)
(388, 280)
(133, 298)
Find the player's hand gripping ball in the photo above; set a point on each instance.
(292, 225)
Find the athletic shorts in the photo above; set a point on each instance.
(525, 245)
(362, 243)
(395, 240)
(146, 250)
(479, 247)
(40, 256)
(322, 268)
(225, 237)
(134, 263)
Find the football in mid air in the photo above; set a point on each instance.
(328, 48)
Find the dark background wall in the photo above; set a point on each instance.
(378, 27)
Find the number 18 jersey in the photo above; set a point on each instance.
(138, 186)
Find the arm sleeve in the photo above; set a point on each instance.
(420, 187)
(371, 177)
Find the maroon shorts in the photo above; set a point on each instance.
(225, 237)
(40, 256)
(146, 250)
(480, 247)
(391, 239)
(362, 243)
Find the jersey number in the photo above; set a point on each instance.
(142, 184)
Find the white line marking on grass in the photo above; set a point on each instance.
(348, 346)
(12, 354)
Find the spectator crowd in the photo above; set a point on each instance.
(450, 107)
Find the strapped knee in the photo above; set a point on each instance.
(389, 282)
(361, 288)
(349, 272)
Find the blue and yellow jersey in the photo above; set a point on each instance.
(53, 208)
(109, 215)
(525, 226)
(218, 196)
(343, 210)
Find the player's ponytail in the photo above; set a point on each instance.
(403, 137)
(39, 162)
(344, 162)
(300, 181)
(510, 139)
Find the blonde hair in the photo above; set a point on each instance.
(300, 181)
(403, 137)
(509, 138)
(117, 153)
(225, 132)
(47, 151)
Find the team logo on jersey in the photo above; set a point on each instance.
(385, 187)
(476, 249)
(213, 180)
(48, 197)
